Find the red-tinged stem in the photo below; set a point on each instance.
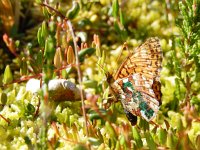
(51, 8)
(79, 75)
(5, 119)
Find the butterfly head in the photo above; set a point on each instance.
(109, 78)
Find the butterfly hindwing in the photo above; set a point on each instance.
(136, 96)
(137, 81)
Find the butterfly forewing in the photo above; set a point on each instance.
(146, 58)
(137, 81)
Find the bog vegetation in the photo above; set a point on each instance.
(44, 42)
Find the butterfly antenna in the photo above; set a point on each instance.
(102, 68)
(124, 47)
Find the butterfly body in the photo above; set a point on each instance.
(137, 82)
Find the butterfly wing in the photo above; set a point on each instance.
(141, 71)
(146, 59)
(137, 96)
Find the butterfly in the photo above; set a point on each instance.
(137, 81)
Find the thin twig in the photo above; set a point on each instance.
(79, 74)
(51, 8)
(5, 119)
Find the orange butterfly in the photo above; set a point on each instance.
(137, 81)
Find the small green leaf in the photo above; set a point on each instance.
(52, 27)
(144, 124)
(49, 50)
(137, 137)
(48, 72)
(3, 98)
(38, 1)
(179, 124)
(94, 141)
(17, 43)
(73, 12)
(117, 147)
(93, 115)
(46, 12)
(90, 83)
(79, 147)
(39, 58)
(171, 142)
(29, 47)
(85, 52)
(44, 32)
(122, 140)
(39, 37)
(115, 8)
(30, 108)
(111, 131)
(117, 28)
(8, 77)
(150, 142)
(121, 17)
(195, 100)
(162, 136)
(177, 91)
(27, 140)
(23, 67)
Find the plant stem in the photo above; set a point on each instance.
(79, 74)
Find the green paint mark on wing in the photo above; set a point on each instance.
(143, 106)
(128, 84)
(139, 96)
(148, 112)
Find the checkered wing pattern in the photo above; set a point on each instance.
(137, 81)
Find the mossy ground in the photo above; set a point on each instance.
(25, 123)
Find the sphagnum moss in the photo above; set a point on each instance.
(108, 128)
